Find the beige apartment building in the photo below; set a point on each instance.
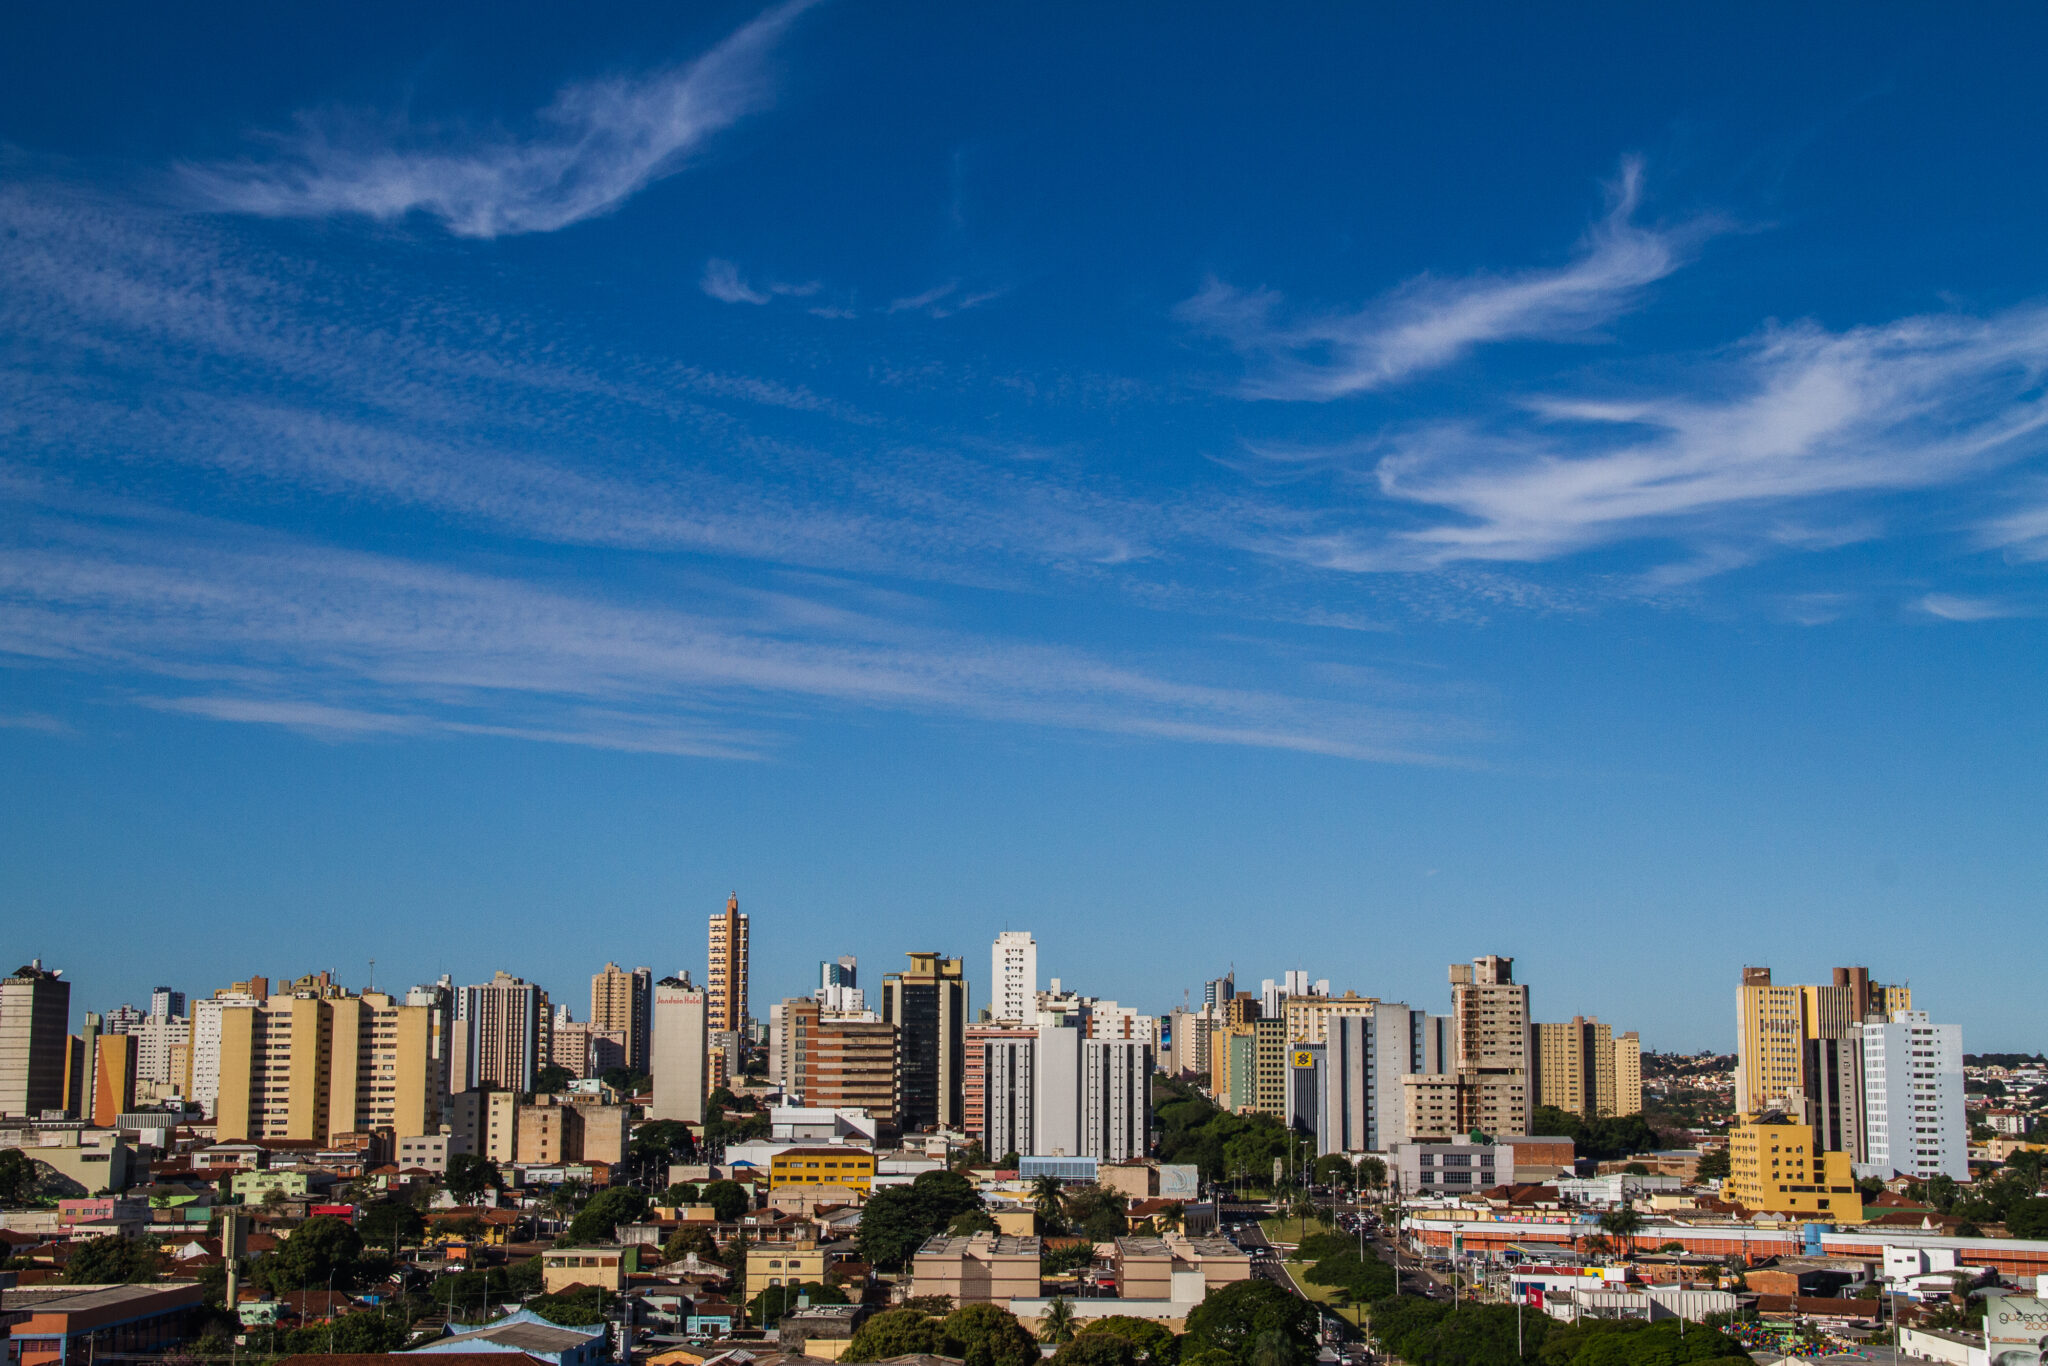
(1583, 1066)
(833, 1060)
(622, 1003)
(1308, 1017)
(310, 1067)
(1490, 1043)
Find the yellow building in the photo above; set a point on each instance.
(1269, 1047)
(311, 1065)
(1774, 1023)
(853, 1168)
(1628, 1073)
(791, 1265)
(1777, 1167)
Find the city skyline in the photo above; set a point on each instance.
(1350, 493)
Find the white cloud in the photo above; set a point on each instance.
(597, 144)
(273, 631)
(1796, 415)
(1956, 607)
(723, 281)
(1431, 322)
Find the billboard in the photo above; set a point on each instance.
(2015, 1330)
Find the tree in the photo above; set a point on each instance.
(1155, 1343)
(1372, 1173)
(551, 1079)
(687, 1239)
(1058, 1324)
(581, 1306)
(17, 1177)
(321, 1250)
(892, 1227)
(728, 1200)
(1621, 1225)
(470, 1175)
(989, 1335)
(1097, 1349)
(1713, 1166)
(944, 1194)
(390, 1224)
(1049, 1202)
(895, 1333)
(1334, 1169)
(681, 1193)
(766, 1309)
(600, 1219)
(2028, 1218)
(971, 1221)
(113, 1260)
(1231, 1319)
(1273, 1348)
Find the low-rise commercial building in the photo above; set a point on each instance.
(982, 1268)
(823, 1166)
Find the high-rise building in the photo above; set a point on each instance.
(725, 985)
(1368, 1064)
(1777, 1165)
(202, 1079)
(501, 1034)
(1628, 1073)
(679, 1050)
(113, 1092)
(1062, 1094)
(836, 1060)
(1308, 1017)
(1913, 1098)
(1219, 992)
(310, 1065)
(159, 1044)
(1490, 1033)
(621, 1002)
(1775, 1022)
(1572, 1067)
(1188, 1041)
(35, 1023)
(928, 1006)
(1013, 978)
(164, 1003)
(977, 1089)
(1008, 1075)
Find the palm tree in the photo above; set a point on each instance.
(1059, 1322)
(1047, 1199)
(1270, 1348)
(1622, 1225)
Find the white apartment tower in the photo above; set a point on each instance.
(1013, 978)
(1913, 1098)
(678, 1050)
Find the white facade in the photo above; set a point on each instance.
(1913, 1098)
(1116, 1098)
(156, 1038)
(1062, 1094)
(1363, 1106)
(1008, 1095)
(1013, 977)
(1055, 1093)
(678, 1050)
(1108, 1020)
(206, 1015)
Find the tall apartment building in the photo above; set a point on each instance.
(1366, 1066)
(1294, 982)
(113, 1087)
(1013, 977)
(678, 1050)
(839, 985)
(1188, 1034)
(1308, 1017)
(501, 1034)
(928, 1006)
(1775, 1023)
(1009, 1080)
(622, 1002)
(1628, 1073)
(1572, 1066)
(202, 1067)
(1490, 1032)
(833, 1060)
(1219, 992)
(1063, 1094)
(310, 1067)
(164, 1003)
(1913, 1098)
(725, 984)
(975, 1084)
(1108, 1020)
(35, 1027)
(161, 1042)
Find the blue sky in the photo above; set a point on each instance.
(1354, 489)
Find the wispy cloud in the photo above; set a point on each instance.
(1722, 462)
(593, 147)
(723, 282)
(273, 631)
(1430, 322)
(1957, 607)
